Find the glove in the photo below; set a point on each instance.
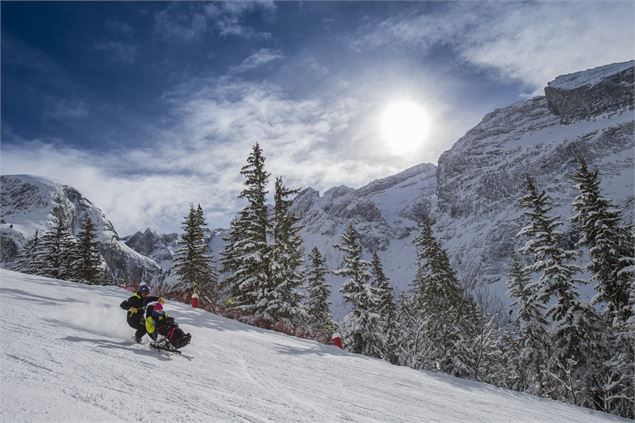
(132, 310)
(162, 300)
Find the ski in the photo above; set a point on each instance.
(164, 348)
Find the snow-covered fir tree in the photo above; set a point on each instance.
(610, 247)
(317, 303)
(534, 340)
(408, 331)
(194, 268)
(57, 248)
(480, 337)
(575, 330)
(27, 261)
(385, 309)
(230, 289)
(283, 292)
(358, 325)
(507, 370)
(87, 262)
(247, 253)
(601, 232)
(439, 303)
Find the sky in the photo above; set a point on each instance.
(147, 108)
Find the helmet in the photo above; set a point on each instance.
(158, 308)
(144, 288)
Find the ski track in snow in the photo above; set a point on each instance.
(68, 356)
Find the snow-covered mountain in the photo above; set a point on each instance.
(68, 355)
(160, 248)
(479, 180)
(473, 192)
(27, 203)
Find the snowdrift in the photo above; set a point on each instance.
(68, 356)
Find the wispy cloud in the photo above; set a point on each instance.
(67, 109)
(260, 58)
(117, 51)
(119, 46)
(51, 87)
(21, 55)
(187, 22)
(531, 42)
(119, 27)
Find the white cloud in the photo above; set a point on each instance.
(532, 42)
(260, 58)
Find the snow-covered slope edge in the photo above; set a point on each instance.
(67, 356)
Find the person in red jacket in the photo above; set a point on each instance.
(135, 306)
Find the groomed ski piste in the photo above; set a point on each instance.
(68, 356)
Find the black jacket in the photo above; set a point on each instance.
(137, 301)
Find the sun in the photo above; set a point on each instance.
(404, 126)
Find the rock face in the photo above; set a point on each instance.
(159, 248)
(589, 93)
(27, 203)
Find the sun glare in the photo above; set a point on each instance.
(403, 126)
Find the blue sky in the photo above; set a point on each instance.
(149, 107)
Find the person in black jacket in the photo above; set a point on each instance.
(135, 306)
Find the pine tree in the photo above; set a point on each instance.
(57, 248)
(247, 254)
(508, 371)
(440, 306)
(230, 263)
(358, 324)
(407, 331)
(318, 292)
(610, 247)
(480, 340)
(87, 262)
(385, 308)
(575, 324)
(599, 224)
(283, 295)
(28, 259)
(193, 267)
(534, 342)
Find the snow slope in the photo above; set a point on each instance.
(67, 355)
